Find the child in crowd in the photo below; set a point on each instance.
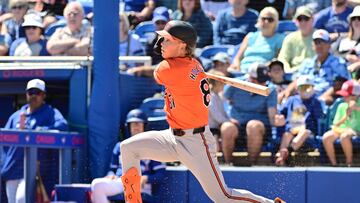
(277, 75)
(299, 114)
(346, 123)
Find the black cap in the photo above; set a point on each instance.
(260, 72)
(181, 30)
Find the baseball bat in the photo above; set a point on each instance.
(244, 85)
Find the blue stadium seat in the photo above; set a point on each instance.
(146, 31)
(209, 51)
(286, 26)
(153, 108)
(51, 28)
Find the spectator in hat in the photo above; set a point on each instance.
(314, 5)
(221, 62)
(73, 39)
(334, 19)
(297, 45)
(253, 114)
(234, 23)
(277, 77)
(34, 43)
(324, 66)
(12, 26)
(260, 46)
(191, 12)
(35, 115)
(299, 116)
(346, 123)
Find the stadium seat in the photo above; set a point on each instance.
(145, 30)
(209, 51)
(153, 108)
(51, 28)
(286, 26)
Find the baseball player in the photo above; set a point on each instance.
(152, 171)
(189, 139)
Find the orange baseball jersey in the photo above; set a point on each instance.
(187, 93)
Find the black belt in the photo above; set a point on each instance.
(181, 132)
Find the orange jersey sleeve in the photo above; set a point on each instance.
(187, 93)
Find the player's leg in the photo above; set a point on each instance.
(198, 153)
(155, 145)
(328, 142)
(102, 188)
(229, 133)
(255, 131)
(346, 144)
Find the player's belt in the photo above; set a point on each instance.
(181, 132)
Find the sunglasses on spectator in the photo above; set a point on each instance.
(303, 18)
(17, 7)
(269, 19)
(73, 13)
(356, 18)
(319, 41)
(31, 27)
(160, 22)
(33, 92)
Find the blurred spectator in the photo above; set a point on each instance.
(297, 45)
(35, 115)
(324, 66)
(254, 114)
(277, 76)
(13, 26)
(160, 18)
(314, 5)
(5, 42)
(152, 171)
(280, 5)
(129, 43)
(346, 123)
(75, 38)
(329, 96)
(34, 44)
(190, 11)
(301, 112)
(260, 46)
(49, 9)
(139, 11)
(171, 5)
(212, 7)
(232, 24)
(221, 62)
(334, 18)
(219, 122)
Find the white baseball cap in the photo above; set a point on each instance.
(321, 34)
(305, 80)
(36, 83)
(355, 13)
(32, 20)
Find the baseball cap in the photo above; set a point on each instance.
(348, 88)
(303, 11)
(321, 34)
(355, 13)
(161, 13)
(260, 72)
(222, 57)
(177, 29)
(36, 83)
(304, 80)
(32, 20)
(136, 115)
(276, 62)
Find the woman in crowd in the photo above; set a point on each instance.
(260, 46)
(190, 11)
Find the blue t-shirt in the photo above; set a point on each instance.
(46, 117)
(231, 30)
(260, 49)
(135, 5)
(328, 20)
(153, 169)
(312, 113)
(325, 73)
(245, 106)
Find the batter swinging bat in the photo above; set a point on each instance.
(244, 85)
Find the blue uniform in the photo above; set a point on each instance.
(44, 118)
